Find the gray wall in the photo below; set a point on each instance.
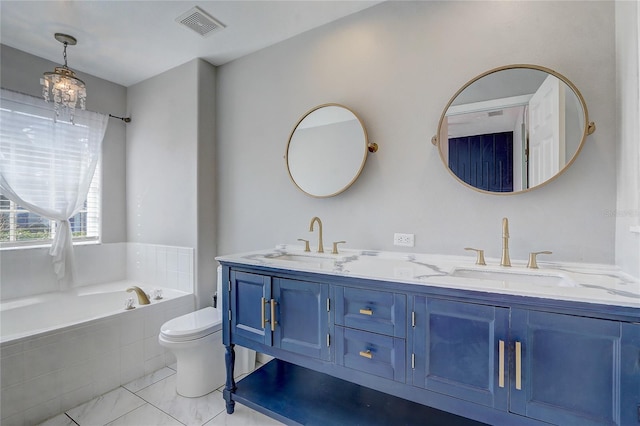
(170, 165)
(627, 212)
(21, 72)
(396, 65)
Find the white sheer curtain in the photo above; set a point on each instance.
(46, 166)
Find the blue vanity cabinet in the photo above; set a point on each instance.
(284, 313)
(460, 349)
(573, 370)
(499, 359)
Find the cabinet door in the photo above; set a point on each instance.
(302, 318)
(248, 309)
(571, 370)
(460, 350)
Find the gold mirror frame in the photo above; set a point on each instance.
(312, 156)
(588, 128)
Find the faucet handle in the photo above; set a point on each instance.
(480, 257)
(335, 246)
(533, 263)
(306, 244)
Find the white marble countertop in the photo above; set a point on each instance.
(581, 282)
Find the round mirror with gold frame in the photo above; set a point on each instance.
(512, 129)
(327, 150)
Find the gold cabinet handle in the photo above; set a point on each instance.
(273, 315)
(501, 363)
(366, 311)
(519, 365)
(262, 318)
(366, 354)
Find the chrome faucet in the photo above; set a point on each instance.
(142, 296)
(320, 244)
(505, 261)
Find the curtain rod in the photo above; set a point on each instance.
(125, 119)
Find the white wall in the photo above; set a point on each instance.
(627, 210)
(170, 172)
(396, 65)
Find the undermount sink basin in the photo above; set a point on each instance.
(302, 258)
(319, 260)
(515, 277)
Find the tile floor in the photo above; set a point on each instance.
(153, 401)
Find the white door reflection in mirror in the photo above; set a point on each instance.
(546, 131)
(326, 151)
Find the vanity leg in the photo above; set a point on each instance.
(230, 386)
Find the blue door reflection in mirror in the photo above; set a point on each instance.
(483, 161)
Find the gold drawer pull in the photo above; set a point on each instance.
(366, 354)
(501, 363)
(366, 311)
(518, 365)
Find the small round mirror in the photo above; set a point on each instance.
(512, 129)
(327, 150)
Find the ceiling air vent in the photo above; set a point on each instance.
(199, 21)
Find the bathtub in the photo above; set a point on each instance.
(61, 349)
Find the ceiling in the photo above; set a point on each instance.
(129, 41)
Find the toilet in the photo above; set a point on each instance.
(196, 341)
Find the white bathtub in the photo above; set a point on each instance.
(31, 316)
(59, 350)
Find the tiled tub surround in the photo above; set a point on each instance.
(28, 271)
(69, 356)
(593, 283)
(163, 266)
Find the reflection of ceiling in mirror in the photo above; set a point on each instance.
(485, 122)
(326, 115)
(502, 84)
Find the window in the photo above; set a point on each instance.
(19, 227)
(46, 167)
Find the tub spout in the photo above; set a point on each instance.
(142, 296)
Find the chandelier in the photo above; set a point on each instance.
(62, 86)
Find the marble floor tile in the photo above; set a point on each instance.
(242, 416)
(147, 415)
(189, 411)
(149, 379)
(59, 420)
(105, 408)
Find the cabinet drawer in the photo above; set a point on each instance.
(377, 311)
(371, 353)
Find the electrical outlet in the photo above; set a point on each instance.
(405, 240)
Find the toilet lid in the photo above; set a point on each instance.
(193, 325)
